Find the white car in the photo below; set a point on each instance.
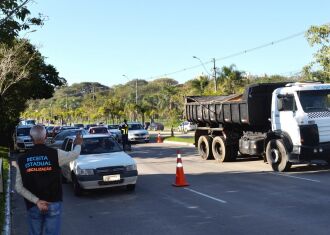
(22, 139)
(102, 164)
(136, 133)
(187, 126)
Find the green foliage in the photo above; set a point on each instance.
(23, 74)
(14, 18)
(319, 36)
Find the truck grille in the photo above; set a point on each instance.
(318, 115)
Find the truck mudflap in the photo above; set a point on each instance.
(320, 151)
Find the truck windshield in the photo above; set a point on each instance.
(315, 101)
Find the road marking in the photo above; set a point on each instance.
(205, 195)
(295, 177)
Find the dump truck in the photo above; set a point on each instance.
(285, 123)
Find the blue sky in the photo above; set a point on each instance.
(99, 41)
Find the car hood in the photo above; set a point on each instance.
(133, 132)
(114, 131)
(93, 161)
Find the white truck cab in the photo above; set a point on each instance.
(301, 115)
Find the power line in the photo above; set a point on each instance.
(231, 55)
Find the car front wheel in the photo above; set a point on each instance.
(77, 189)
(130, 187)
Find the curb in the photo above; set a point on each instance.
(179, 143)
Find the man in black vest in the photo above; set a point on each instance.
(38, 180)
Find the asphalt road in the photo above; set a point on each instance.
(243, 197)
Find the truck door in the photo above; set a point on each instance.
(284, 117)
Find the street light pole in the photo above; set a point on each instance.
(136, 88)
(215, 75)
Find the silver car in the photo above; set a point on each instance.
(58, 140)
(136, 133)
(22, 139)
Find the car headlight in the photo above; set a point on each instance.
(84, 171)
(130, 168)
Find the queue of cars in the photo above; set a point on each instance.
(102, 162)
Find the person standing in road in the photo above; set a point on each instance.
(38, 180)
(124, 133)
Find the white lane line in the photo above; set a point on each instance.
(205, 195)
(295, 177)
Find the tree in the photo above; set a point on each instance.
(319, 36)
(14, 18)
(14, 64)
(231, 80)
(200, 84)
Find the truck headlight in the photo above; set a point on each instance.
(130, 168)
(84, 171)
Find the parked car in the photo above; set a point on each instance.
(187, 126)
(89, 126)
(58, 140)
(114, 130)
(22, 139)
(98, 130)
(136, 133)
(78, 125)
(102, 163)
(49, 131)
(155, 126)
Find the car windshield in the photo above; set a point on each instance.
(135, 126)
(113, 126)
(99, 145)
(65, 133)
(100, 130)
(315, 101)
(23, 131)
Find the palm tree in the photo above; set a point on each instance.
(200, 83)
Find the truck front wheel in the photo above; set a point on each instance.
(204, 147)
(277, 155)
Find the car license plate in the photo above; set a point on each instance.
(108, 178)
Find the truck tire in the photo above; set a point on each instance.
(205, 147)
(221, 152)
(277, 156)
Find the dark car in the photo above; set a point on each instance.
(78, 125)
(155, 126)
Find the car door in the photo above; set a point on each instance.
(67, 146)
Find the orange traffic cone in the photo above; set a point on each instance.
(159, 139)
(180, 180)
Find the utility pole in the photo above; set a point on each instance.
(215, 75)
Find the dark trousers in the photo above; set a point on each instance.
(126, 143)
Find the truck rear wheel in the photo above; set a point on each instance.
(204, 147)
(221, 152)
(277, 155)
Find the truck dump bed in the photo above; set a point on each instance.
(251, 108)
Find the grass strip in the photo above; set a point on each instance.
(189, 139)
(4, 156)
